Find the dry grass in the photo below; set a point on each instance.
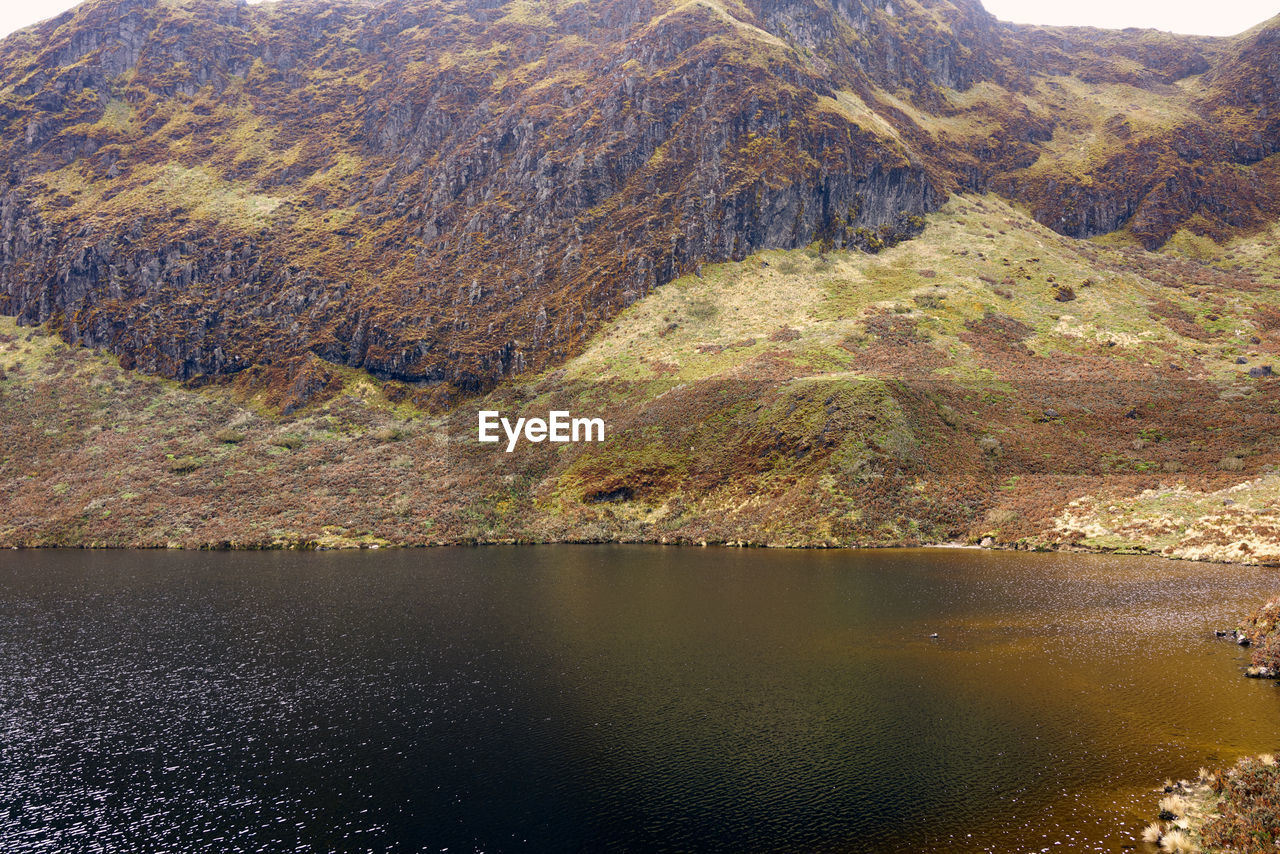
(1246, 814)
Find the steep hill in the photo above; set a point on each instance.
(449, 193)
(833, 273)
(990, 378)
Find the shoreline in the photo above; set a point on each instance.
(1229, 807)
(351, 545)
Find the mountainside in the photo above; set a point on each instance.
(447, 193)
(832, 273)
(989, 378)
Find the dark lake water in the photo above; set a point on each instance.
(612, 698)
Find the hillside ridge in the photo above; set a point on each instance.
(447, 194)
(989, 382)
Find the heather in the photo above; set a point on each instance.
(1236, 809)
(936, 391)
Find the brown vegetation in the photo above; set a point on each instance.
(1262, 631)
(798, 398)
(1245, 816)
(449, 194)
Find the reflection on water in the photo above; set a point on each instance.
(611, 698)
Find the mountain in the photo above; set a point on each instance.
(834, 273)
(449, 193)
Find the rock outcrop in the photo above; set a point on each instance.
(449, 193)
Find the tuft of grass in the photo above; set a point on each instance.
(1174, 806)
(1177, 841)
(184, 465)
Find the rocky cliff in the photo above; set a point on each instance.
(448, 193)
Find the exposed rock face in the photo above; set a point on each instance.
(448, 193)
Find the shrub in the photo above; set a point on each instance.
(1267, 653)
(931, 299)
(1001, 518)
(1262, 628)
(703, 309)
(1248, 812)
(1263, 631)
(784, 334)
(789, 266)
(184, 465)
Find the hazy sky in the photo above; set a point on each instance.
(1223, 18)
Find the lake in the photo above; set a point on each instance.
(612, 698)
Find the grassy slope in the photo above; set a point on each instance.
(95, 455)
(989, 391)
(941, 389)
